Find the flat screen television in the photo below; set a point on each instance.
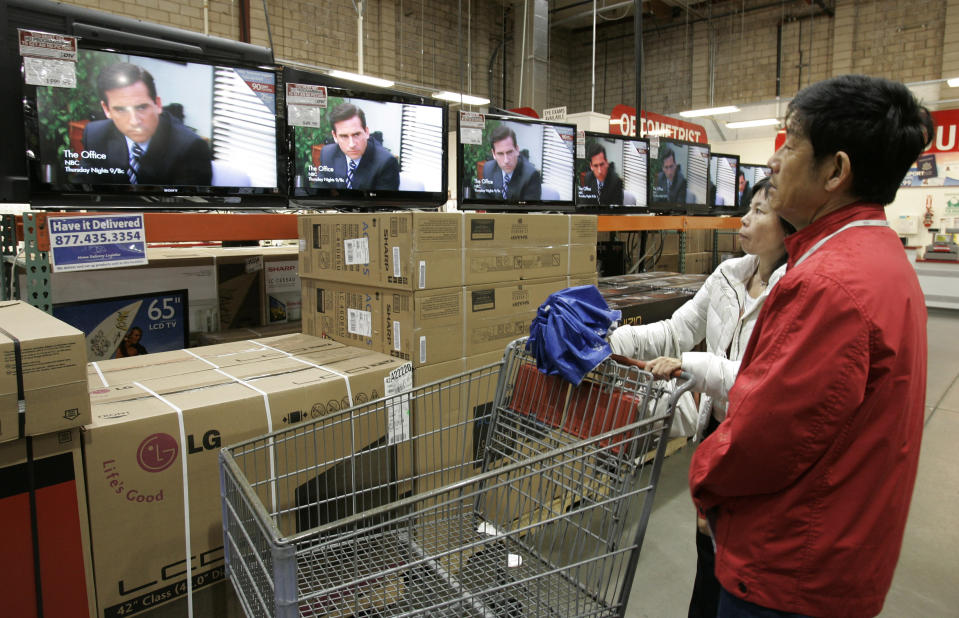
(146, 116)
(361, 146)
(751, 173)
(678, 176)
(723, 195)
(612, 173)
(515, 163)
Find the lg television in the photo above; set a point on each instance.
(678, 176)
(361, 146)
(145, 116)
(750, 173)
(515, 163)
(612, 173)
(723, 195)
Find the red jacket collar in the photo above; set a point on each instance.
(799, 242)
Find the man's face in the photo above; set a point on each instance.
(669, 168)
(600, 166)
(132, 111)
(506, 154)
(796, 185)
(742, 183)
(351, 137)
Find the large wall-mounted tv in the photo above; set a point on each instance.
(678, 176)
(612, 174)
(514, 163)
(153, 117)
(365, 147)
(723, 195)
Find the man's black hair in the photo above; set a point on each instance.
(500, 133)
(121, 75)
(666, 153)
(594, 149)
(741, 174)
(345, 111)
(877, 122)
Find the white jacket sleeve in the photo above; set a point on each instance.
(712, 374)
(670, 337)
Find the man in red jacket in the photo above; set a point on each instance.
(807, 483)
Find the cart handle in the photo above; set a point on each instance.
(625, 360)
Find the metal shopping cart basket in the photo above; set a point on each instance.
(507, 496)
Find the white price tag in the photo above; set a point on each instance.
(48, 72)
(47, 45)
(397, 267)
(303, 115)
(359, 322)
(397, 346)
(356, 251)
(399, 381)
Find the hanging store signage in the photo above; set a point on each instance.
(622, 121)
(938, 165)
(90, 242)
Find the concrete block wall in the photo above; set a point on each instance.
(448, 45)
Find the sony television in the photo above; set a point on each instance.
(355, 146)
(750, 173)
(678, 176)
(145, 116)
(515, 163)
(612, 173)
(722, 196)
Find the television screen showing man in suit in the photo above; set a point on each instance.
(670, 185)
(601, 184)
(356, 158)
(508, 175)
(137, 142)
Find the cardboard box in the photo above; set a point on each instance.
(699, 263)
(416, 251)
(498, 313)
(47, 479)
(281, 292)
(350, 314)
(43, 382)
(151, 460)
(243, 334)
(425, 326)
(650, 306)
(728, 242)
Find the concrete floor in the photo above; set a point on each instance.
(926, 583)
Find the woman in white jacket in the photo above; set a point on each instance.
(723, 312)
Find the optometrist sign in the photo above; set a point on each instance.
(622, 121)
(90, 242)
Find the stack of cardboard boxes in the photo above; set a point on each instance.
(699, 252)
(446, 291)
(43, 515)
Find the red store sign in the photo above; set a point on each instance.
(622, 121)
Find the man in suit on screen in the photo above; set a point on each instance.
(139, 143)
(603, 185)
(670, 182)
(513, 177)
(354, 161)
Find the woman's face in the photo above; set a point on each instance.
(761, 233)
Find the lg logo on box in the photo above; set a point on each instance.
(158, 451)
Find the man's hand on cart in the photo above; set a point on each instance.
(663, 367)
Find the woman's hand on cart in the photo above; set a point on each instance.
(664, 367)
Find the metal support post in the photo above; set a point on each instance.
(37, 262)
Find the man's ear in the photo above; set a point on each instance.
(106, 108)
(839, 172)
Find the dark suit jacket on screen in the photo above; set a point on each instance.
(677, 192)
(612, 192)
(377, 170)
(746, 196)
(177, 155)
(524, 185)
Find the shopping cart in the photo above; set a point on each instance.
(507, 496)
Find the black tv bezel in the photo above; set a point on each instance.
(737, 208)
(363, 199)
(745, 207)
(617, 209)
(522, 206)
(22, 180)
(678, 208)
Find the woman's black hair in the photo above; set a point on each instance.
(762, 188)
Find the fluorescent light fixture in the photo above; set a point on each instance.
(953, 83)
(456, 97)
(709, 111)
(744, 124)
(364, 79)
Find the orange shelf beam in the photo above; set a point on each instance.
(639, 223)
(712, 223)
